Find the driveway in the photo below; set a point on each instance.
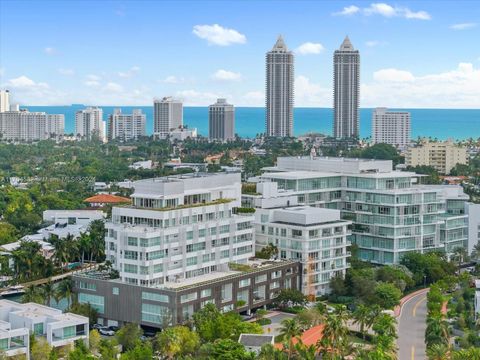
(412, 323)
(276, 317)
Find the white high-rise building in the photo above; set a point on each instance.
(279, 90)
(391, 127)
(4, 100)
(221, 121)
(89, 122)
(126, 127)
(178, 228)
(346, 91)
(31, 126)
(167, 115)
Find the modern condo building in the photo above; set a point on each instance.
(167, 115)
(126, 127)
(391, 127)
(221, 121)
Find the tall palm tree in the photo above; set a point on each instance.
(84, 245)
(472, 353)
(362, 316)
(438, 352)
(436, 331)
(289, 330)
(334, 339)
(65, 290)
(48, 291)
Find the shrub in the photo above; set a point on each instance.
(264, 321)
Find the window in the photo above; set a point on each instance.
(115, 291)
(130, 255)
(155, 297)
(205, 293)
(96, 301)
(38, 328)
(188, 297)
(69, 332)
(156, 314)
(260, 278)
(88, 286)
(202, 232)
(192, 261)
(129, 268)
(244, 282)
(4, 344)
(225, 254)
(132, 241)
(157, 268)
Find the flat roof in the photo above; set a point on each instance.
(303, 174)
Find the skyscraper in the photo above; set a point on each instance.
(346, 91)
(126, 127)
(167, 115)
(221, 121)
(279, 90)
(4, 100)
(89, 122)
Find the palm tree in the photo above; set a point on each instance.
(33, 294)
(269, 352)
(362, 316)
(289, 330)
(305, 352)
(65, 290)
(48, 291)
(476, 252)
(334, 339)
(84, 243)
(436, 331)
(438, 352)
(472, 353)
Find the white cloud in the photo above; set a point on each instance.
(27, 91)
(113, 87)
(372, 43)
(310, 48)
(129, 73)
(50, 51)
(225, 75)
(386, 10)
(348, 10)
(197, 98)
(458, 88)
(93, 77)
(309, 94)
(66, 72)
(24, 82)
(393, 75)
(92, 81)
(218, 35)
(463, 26)
(171, 79)
(253, 98)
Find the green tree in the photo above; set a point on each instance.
(226, 349)
(436, 331)
(176, 342)
(334, 341)
(438, 352)
(94, 340)
(40, 349)
(129, 336)
(8, 233)
(65, 290)
(33, 294)
(387, 295)
(287, 297)
(139, 352)
(290, 330)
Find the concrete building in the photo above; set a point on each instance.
(221, 121)
(72, 217)
(179, 246)
(167, 115)
(391, 214)
(315, 237)
(25, 126)
(477, 299)
(126, 127)
(473, 212)
(346, 91)
(17, 321)
(182, 134)
(391, 127)
(443, 156)
(89, 123)
(279, 90)
(4, 100)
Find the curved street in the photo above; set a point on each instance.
(411, 327)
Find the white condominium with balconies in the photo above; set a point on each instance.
(315, 237)
(24, 125)
(126, 127)
(178, 228)
(391, 127)
(89, 123)
(391, 214)
(167, 116)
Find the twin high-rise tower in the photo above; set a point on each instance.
(279, 88)
(346, 91)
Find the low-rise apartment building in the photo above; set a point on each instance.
(442, 156)
(391, 214)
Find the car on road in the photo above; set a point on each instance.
(106, 331)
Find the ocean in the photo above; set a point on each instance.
(249, 121)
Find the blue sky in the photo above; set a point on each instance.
(413, 53)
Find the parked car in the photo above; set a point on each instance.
(114, 328)
(106, 331)
(97, 326)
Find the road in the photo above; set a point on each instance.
(411, 328)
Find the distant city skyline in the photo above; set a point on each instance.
(414, 54)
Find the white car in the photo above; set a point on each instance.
(106, 331)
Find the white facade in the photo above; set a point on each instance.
(31, 126)
(59, 329)
(473, 211)
(4, 100)
(315, 237)
(221, 121)
(89, 122)
(126, 127)
(167, 115)
(477, 299)
(72, 217)
(182, 134)
(346, 91)
(179, 228)
(391, 127)
(279, 90)
(391, 214)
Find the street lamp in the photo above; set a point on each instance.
(424, 280)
